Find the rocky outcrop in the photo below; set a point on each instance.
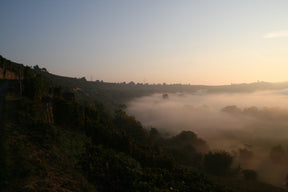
(6, 74)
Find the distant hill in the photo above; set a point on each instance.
(115, 94)
(123, 92)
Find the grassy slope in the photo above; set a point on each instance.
(40, 158)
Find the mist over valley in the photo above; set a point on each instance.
(195, 136)
(248, 125)
(138, 96)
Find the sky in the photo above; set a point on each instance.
(150, 41)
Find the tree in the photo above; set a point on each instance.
(245, 155)
(154, 133)
(130, 126)
(165, 96)
(277, 154)
(250, 174)
(190, 138)
(218, 163)
(232, 109)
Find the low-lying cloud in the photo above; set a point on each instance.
(256, 121)
(260, 114)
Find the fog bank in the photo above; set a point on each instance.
(256, 122)
(262, 115)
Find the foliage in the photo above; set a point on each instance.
(68, 113)
(218, 163)
(130, 126)
(249, 174)
(38, 156)
(277, 154)
(245, 154)
(33, 84)
(109, 170)
(186, 148)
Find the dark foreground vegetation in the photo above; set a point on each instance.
(52, 142)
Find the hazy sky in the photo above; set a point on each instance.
(153, 41)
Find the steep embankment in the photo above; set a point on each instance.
(38, 156)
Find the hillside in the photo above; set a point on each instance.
(53, 140)
(114, 95)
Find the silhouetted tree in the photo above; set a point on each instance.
(154, 133)
(245, 154)
(232, 109)
(277, 154)
(250, 174)
(218, 163)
